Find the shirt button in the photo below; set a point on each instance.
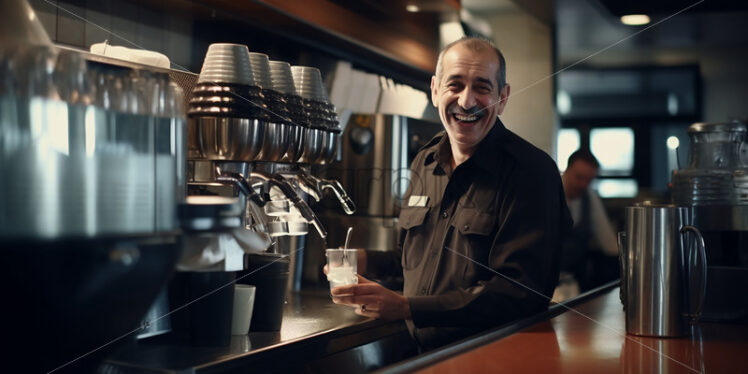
(465, 228)
(423, 291)
(445, 214)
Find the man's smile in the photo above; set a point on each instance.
(468, 116)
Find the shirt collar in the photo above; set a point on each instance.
(485, 156)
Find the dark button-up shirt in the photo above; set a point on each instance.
(479, 245)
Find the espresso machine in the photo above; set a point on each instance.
(255, 129)
(90, 157)
(715, 185)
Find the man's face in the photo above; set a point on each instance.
(577, 178)
(468, 96)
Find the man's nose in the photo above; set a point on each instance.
(467, 98)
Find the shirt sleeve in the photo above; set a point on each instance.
(523, 260)
(601, 227)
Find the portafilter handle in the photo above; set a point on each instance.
(310, 185)
(238, 180)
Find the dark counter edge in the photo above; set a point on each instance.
(503, 331)
(306, 348)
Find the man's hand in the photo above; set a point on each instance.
(372, 300)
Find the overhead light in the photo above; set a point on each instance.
(412, 8)
(672, 142)
(635, 19)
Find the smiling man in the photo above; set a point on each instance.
(483, 220)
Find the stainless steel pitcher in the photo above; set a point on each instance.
(663, 270)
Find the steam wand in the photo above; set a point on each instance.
(315, 186)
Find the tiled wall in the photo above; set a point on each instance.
(120, 22)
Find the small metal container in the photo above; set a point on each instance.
(225, 138)
(329, 147)
(296, 138)
(314, 141)
(276, 142)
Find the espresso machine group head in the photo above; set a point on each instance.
(255, 129)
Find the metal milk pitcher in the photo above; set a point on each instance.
(663, 270)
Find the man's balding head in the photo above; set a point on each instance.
(475, 44)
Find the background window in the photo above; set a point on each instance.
(614, 149)
(568, 141)
(617, 188)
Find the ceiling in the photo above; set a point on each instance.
(540, 9)
(666, 7)
(591, 30)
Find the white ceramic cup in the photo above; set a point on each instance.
(244, 300)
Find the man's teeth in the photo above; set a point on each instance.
(466, 118)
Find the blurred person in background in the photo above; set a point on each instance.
(591, 250)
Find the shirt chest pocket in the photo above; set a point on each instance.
(474, 222)
(412, 220)
(476, 233)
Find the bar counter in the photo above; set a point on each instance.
(313, 331)
(589, 337)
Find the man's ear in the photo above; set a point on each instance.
(503, 98)
(434, 91)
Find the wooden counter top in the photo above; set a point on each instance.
(591, 338)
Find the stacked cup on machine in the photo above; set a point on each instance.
(283, 83)
(247, 108)
(227, 108)
(322, 135)
(279, 127)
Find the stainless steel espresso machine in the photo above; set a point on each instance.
(90, 160)
(256, 127)
(715, 184)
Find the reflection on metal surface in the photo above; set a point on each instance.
(75, 170)
(276, 142)
(661, 270)
(240, 344)
(238, 139)
(314, 141)
(296, 144)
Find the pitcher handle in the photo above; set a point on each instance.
(691, 262)
(622, 267)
